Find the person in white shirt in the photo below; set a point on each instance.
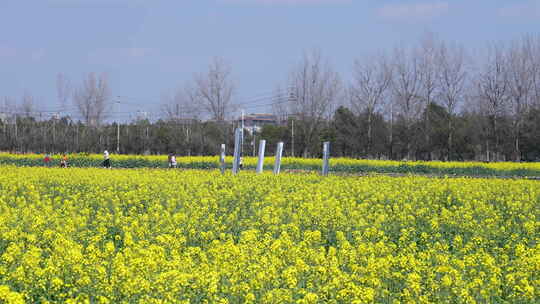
(172, 160)
(106, 161)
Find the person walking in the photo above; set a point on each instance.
(106, 160)
(172, 161)
(47, 159)
(64, 161)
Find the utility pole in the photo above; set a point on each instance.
(242, 136)
(188, 139)
(77, 138)
(242, 119)
(16, 135)
(253, 142)
(118, 138)
(391, 129)
(292, 138)
(54, 118)
(292, 97)
(118, 133)
(147, 133)
(54, 133)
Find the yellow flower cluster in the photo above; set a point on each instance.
(174, 236)
(338, 165)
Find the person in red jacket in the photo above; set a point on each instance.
(47, 159)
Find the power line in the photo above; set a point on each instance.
(275, 102)
(268, 104)
(258, 101)
(276, 94)
(42, 114)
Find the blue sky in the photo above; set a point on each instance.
(150, 47)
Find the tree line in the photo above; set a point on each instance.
(433, 100)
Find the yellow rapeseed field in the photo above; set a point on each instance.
(337, 165)
(173, 236)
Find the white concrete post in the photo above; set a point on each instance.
(279, 153)
(222, 159)
(260, 164)
(236, 160)
(326, 157)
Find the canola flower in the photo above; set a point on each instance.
(172, 236)
(338, 165)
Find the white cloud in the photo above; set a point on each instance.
(414, 10)
(524, 9)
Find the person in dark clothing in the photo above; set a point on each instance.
(106, 160)
(64, 161)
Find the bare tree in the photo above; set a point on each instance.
(180, 105)
(521, 71)
(63, 90)
(27, 105)
(428, 70)
(8, 109)
(281, 99)
(451, 79)
(536, 70)
(371, 80)
(8, 115)
(493, 89)
(316, 87)
(181, 110)
(92, 99)
(213, 91)
(406, 85)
